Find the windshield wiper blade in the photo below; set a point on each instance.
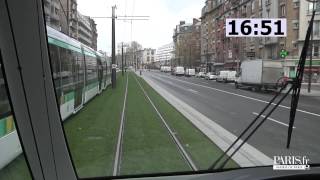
(296, 87)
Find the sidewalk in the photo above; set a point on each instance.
(315, 90)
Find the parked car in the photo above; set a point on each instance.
(165, 69)
(200, 74)
(190, 72)
(210, 76)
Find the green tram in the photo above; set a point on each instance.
(79, 74)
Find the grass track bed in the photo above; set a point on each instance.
(92, 133)
(147, 146)
(200, 148)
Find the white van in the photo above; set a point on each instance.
(231, 77)
(222, 77)
(179, 71)
(190, 72)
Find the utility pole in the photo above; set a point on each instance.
(122, 59)
(113, 76)
(113, 58)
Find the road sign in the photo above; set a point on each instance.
(114, 66)
(283, 53)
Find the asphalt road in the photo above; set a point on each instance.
(234, 109)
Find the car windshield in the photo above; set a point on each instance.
(150, 87)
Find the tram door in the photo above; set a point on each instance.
(79, 81)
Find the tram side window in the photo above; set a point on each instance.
(104, 66)
(91, 63)
(66, 75)
(79, 65)
(55, 65)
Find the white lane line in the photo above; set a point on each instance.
(247, 97)
(271, 119)
(193, 91)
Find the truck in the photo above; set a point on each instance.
(260, 74)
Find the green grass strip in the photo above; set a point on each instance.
(147, 146)
(92, 132)
(201, 149)
(16, 170)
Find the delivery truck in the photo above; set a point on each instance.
(260, 74)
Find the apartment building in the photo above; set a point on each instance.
(187, 43)
(164, 55)
(63, 16)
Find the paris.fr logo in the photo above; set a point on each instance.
(291, 163)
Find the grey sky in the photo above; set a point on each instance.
(164, 15)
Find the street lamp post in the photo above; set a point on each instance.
(311, 42)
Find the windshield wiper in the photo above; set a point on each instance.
(295, 89)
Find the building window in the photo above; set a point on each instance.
(310, 8)
(252, 6)
(283, 10)
(296, 25)
(316, 51)
(316, 28)
(260, 4)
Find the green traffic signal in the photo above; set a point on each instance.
(283, 53)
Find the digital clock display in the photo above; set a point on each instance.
(256, 27)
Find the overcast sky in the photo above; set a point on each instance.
(164, 15)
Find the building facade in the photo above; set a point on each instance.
(52, 10)
(147, 56)
(87, 31)
(221, 52)
(187, 44)
(63, 16)
(164, 55)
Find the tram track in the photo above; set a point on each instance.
(184, 154)
(117, 159)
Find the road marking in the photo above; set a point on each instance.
(271, 119)
(247, 97)
(193, 91)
